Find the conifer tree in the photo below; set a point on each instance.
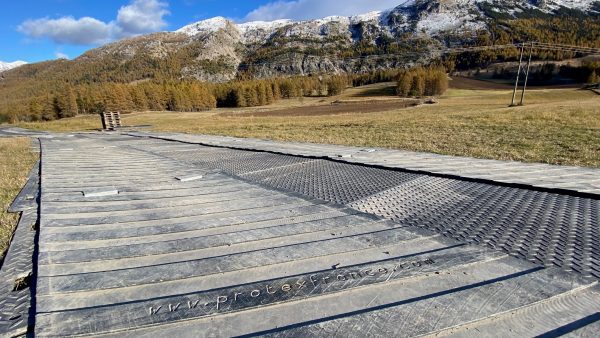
(138, 97)
(335, 86)
(262, 94)
(269, 93)
(404, 84)
(66, 103)
(276, 91)
(239, 96)
(35, 108)
(251, 96)
(49, 108)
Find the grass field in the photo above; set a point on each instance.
(558, 126)
(17, 161)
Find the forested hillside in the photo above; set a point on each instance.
(195, 69)
(60, 99)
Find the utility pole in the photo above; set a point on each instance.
(526, 74)
(512, 103)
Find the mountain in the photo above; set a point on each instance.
(414, 16)
(218, 49)
(4, 66)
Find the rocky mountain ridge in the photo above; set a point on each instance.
(432, 22)
(416, 16)
(218, 49)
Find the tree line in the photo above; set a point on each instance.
(251, 93)
(422, 81)
(588, 72)
(66, 100)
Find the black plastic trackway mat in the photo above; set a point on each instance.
(17, 271)
(136, 238)
(542, 227)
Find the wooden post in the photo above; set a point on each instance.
(103, 118)
(512, 103)
(526, 75)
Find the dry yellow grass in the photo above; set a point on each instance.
(559, 126)
(17, 161)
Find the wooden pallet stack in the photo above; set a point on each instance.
(111, 120)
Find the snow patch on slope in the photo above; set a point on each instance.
(257, 31)
(263, 25)
(445, 21)
(4, 66)
(205, 26)
(375, 16)
(578, 4)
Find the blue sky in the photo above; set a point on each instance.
(47, 29)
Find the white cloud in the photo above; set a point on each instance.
(140, 16)
(313, 9)
(61, 55)
(68, 30)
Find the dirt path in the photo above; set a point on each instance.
(335, 108)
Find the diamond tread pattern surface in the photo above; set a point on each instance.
(326, 180)
(542, 227)
(16, 302)
(331, 181)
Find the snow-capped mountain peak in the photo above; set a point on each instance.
(4, 66)
(256, 31)
(424, 16)
(222, 47)
(216, 23)
(205, 26)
